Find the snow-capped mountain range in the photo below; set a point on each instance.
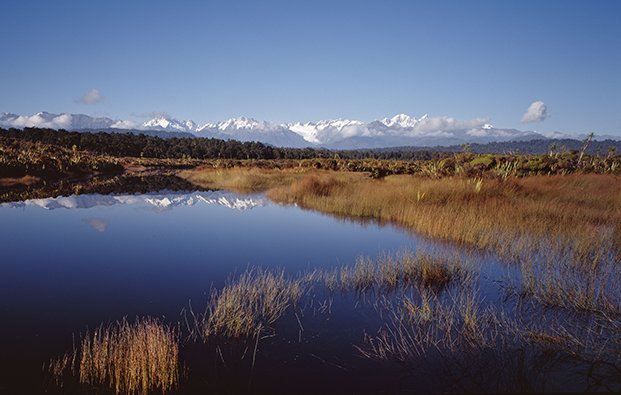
(399, 130)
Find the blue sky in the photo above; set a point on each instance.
(310, 60)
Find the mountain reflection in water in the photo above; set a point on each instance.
(159, 200)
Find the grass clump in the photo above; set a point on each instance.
(130, 358)
(250, 304)
(426, 321)
(405, 269)
(562, 283)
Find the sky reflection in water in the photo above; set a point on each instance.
(106, 256)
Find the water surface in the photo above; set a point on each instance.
(72, 262)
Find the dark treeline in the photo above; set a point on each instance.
(137, 145)
(140, 145)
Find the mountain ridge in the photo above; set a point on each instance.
(399, 130)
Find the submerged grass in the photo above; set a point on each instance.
(562, 283)
(251, 303)
(130, 358)
(426, 321)
(401, 270)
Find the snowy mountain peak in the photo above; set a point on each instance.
(162, 122)
(402, 121)
(399, 130)
(240, 123)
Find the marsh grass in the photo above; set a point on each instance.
(404, 269)
(425, 322)
(513, 217)
(429, 309)
(130, 358)
(563, 283)
(249, 304)
(242, 179)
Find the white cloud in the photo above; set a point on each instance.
(446, 124)
(91, 97)
(98, 224)
(124, 125)
(39, 120)
(326, 132)
(537, 112)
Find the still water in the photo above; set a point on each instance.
(69, 263)
(156, 246)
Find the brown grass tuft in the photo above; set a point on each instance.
(130, 358)
(250, 304)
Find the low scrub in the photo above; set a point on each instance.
(22, 158)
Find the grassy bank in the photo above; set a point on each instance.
(577, 212)
(244, 179)
(562, 231)
(577, 215)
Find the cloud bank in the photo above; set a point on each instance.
(38, 120)
(537, 112)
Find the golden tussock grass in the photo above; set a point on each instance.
(130, 358)
(579, 213)
(242, 179)
(405, 269)
(249, 304)
(565, 231)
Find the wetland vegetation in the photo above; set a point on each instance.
(524, 292)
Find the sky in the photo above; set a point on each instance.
(530, 65)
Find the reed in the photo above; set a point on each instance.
(562, 283)
(404, 269)
(249, 304)
(426, 321)
(130, 358)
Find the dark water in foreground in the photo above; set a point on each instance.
(72, 262)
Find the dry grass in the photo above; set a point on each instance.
(130, 358)
(242, 180)
(566, 284)
(577, 213)
(424, 322)
(388, 272)
(250, 304)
